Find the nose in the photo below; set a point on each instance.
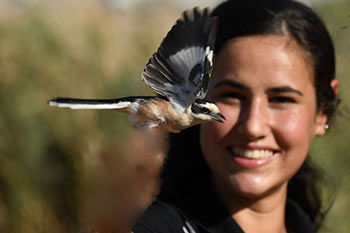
(252, 122)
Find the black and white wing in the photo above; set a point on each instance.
(181, 67)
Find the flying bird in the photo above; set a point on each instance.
(178, 72)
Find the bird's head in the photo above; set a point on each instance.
(204, 111)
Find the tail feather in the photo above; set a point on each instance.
(73, 103)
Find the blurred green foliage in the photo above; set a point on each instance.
(332, 150)
(50, 158)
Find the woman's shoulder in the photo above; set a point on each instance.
(163, 217)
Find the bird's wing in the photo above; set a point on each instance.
(181, 67)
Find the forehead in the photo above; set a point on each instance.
(266, 58)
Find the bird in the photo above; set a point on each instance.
(178, 72)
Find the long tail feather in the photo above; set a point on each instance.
(73, 103)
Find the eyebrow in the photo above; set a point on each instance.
(285, 89)
(231, 83)
(281, 89)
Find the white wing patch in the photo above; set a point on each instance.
(209, 53)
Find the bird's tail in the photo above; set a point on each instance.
(73, 103)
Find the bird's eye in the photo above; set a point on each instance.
(205, 110)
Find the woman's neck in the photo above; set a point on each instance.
(257, 214)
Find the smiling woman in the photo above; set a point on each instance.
(271, 120)
(274, 81)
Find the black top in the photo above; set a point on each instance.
(201, 211)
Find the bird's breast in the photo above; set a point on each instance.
(159, 113)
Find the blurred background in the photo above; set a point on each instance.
(63, 170)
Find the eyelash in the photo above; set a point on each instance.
(282, 99)
(233, 95)
(275, 99)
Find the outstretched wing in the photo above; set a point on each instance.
(181, 67)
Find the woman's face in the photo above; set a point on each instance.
(263, 85)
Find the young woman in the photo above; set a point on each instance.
(274, 81)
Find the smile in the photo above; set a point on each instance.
(252, 153)
(252, 158)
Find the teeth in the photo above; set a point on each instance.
(252, 154)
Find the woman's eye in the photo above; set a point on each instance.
(282, 100)
(232, 95)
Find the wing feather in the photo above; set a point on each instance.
(181, 67)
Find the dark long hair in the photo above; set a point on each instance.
(238, 18)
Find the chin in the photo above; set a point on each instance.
(251, 187)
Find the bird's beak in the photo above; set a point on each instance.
(219, 117)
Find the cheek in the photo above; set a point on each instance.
(213, 133)
(210, 134)
(293, 133)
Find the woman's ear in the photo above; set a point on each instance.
(321, 123)
(335, 86)
(321, 118)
